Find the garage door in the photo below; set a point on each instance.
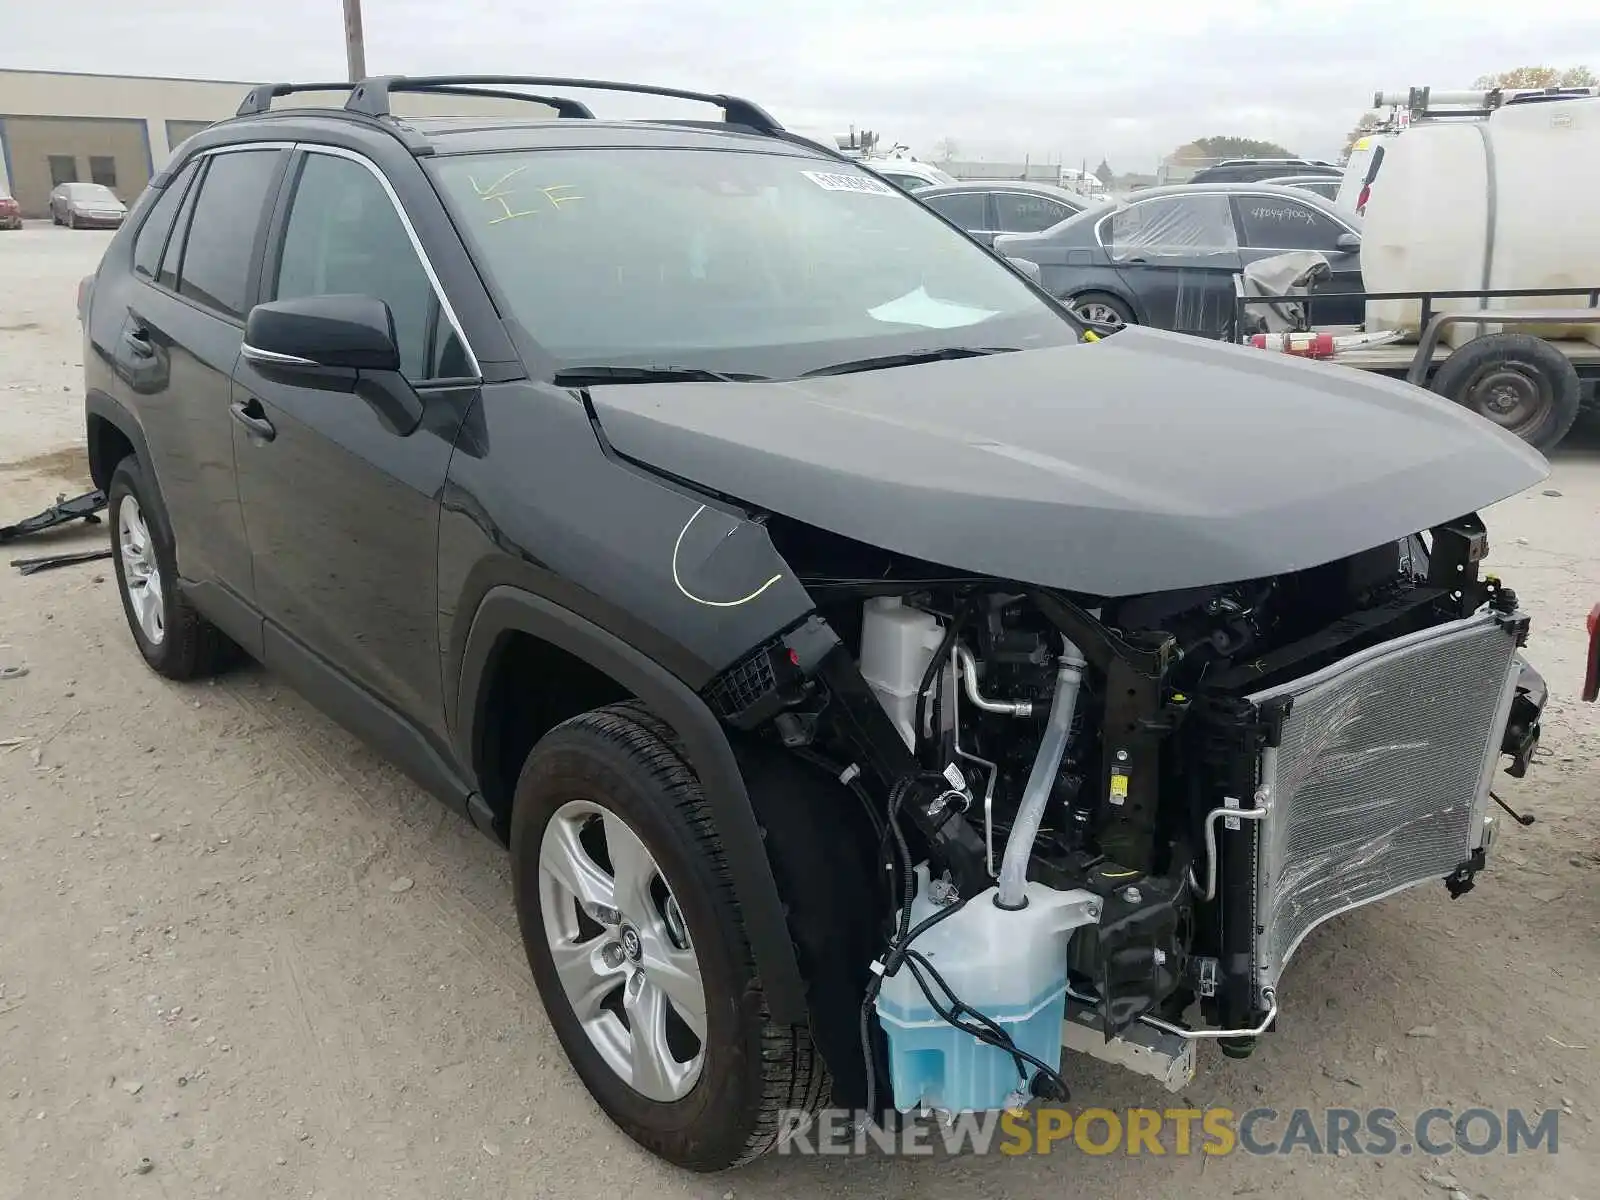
(41, 152)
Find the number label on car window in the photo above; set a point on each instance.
(835, 182)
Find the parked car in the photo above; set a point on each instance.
(1167, 256)
(10, 211)
(907, 174)
(1254, 170)
(1326, 186)
(86, 206)
(988, 208)
(680, 502)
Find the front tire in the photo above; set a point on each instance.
(175, 640)
(637, 946)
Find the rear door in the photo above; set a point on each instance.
(1178, 255)
(342, 511)
(1273, 224)
(194, 265)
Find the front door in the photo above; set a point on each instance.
(1270, 224)
(342, 512)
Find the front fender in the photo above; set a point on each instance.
(505, 609)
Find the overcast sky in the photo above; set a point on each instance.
(1051, 78)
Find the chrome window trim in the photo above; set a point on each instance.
(256, 354)
(411, 233)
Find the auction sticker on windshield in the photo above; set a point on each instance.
(849, 183)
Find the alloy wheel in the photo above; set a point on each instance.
(1099, 313)
(141, 574)
(622, 951)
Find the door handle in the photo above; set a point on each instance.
(137, 341)
(250, 415)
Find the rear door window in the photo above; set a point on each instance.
(1171, 227)
(153, 233)
(1020, 212)
(217, 254)
(966, 209)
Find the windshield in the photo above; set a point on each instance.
(746, 263)
(91, 191)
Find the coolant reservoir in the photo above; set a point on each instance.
(897, 644)
(1011, 966)
(1483, 205)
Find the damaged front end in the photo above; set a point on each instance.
(1109, 822)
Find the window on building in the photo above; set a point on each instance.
(63, 169)
(153, 233)
(103, 170)
(344, 237)
(216, 256)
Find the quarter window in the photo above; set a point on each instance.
(344, 237)
(217, 252)
(1273, 223)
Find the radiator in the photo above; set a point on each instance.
(1381, 778)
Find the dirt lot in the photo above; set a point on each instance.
(236, 944)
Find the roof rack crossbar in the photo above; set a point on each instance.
(371, 96)
(259, 99)
(565, 106)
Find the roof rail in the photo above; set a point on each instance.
(260, 99)
(371, 96)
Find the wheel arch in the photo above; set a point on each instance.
(505, 617)
(111, 433)
(1116, 291)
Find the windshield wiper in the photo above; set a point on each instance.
(883, 361)
(586, 376)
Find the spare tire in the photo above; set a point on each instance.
(1521, 383)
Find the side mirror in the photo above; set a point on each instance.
(334, 343)
(1028, 268)
(1348, 241)
(338, 333)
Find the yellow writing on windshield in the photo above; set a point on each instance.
(503, 191)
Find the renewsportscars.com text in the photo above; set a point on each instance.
(1379, 1132)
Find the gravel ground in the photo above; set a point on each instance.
(237, 945)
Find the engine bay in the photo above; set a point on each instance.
(1069, 793)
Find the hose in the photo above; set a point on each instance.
(1041, 779)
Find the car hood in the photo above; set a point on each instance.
(1144, 462)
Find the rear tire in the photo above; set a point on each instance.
(175, 640)
(610, 787)
(1107, 313)
(1520, 382)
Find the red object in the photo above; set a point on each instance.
(1361, 200)
(1591, 678)
(10, 213)
(1301, 345)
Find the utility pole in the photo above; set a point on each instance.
(355, 50)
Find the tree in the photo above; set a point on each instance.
(946, 149)
(1104, 173)
(1539, 77)
(1229, 147)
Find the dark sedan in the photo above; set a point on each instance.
(1167, 256)
(86, 206)
(987, 208)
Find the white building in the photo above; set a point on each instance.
(118, 130)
